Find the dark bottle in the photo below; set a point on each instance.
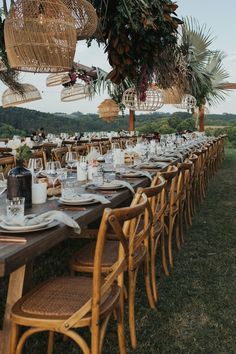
(19, 183)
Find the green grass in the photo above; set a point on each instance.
(196, 309)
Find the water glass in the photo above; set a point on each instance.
(69, 189)
(15, 207)
(98, 178)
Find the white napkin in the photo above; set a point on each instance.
(123, 183)
(49, 215)
(142, 173)
(99, 198)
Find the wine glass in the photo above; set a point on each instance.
(3, 183)
(53, 171)
(35, 165)
(71, 159)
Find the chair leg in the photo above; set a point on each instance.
(120, 329)
(163, 255)
(14, 337)
(170, 234)
(50, 342)
(148, 281)
(132, 327)
(153, 270)
(177, 231)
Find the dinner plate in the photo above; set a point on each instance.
(81, 202)
(131, 174)
(109, 186)
(20, 231)
(8, 227)
(79, 198)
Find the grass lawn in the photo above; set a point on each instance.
(196, 309)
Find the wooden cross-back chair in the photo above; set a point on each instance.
(184, 213)
(80, 150)
(68, 303)
(6, 164)
(156, 196)
(59, 154)
(40, 154)
(174, 180)
(136, 232)
(5, 151)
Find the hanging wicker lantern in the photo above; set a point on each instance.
(188, 102)
(108, 110)
(153, 102)
(12, 98)
(172, 96)
(40, 36)
(57, 79)
(75, 92)
(2, 66)
(85, 16)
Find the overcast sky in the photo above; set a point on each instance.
(217, 15)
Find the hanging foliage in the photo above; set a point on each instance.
(141, 41)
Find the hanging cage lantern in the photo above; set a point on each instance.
(75, 92)
(172, 95)
(40, 36)
(108, 110)
(85, 17)
(57, 79)
(12, 98)
(153, 102)
(188, 102)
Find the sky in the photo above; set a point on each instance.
(219, 16)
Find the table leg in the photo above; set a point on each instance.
(15, 291)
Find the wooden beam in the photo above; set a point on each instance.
(228, 86)
(131, 120)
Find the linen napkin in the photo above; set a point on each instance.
(123, 183)
(53, 215)
(97, 197)
(142, 173)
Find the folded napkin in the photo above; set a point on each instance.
(99, 198)
(123, 183)
(53, 215)
(145, 174)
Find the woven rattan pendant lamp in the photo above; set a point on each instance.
(187, 102)
(40, 36)
(108, 110)
(57, 79)
(85, 16)
(75, 92)
(153, 102)
(12, 98)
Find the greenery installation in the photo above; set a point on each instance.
(141, 42)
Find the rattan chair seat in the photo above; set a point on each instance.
(58, 298)
(85, 256)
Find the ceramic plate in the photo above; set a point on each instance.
(131, 174)
(23, 230)
(10, 227)
(109, 186)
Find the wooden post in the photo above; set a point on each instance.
(131, 120)
(201, 118)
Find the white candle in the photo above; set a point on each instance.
(39, 193)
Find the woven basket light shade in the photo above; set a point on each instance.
(2, 66)
(57, 79)
(153, 102)
(40, 36)
(188, 102)
(85, 16)
(108, 110)
(12, 98)
(172, 96)
(75, 92)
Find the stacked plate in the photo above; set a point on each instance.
(81, 199)
(7, 227)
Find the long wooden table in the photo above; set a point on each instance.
(16, 258)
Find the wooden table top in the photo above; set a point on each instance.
(14, 255)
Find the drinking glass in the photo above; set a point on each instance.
(15, 207)
(71, 159)
(35, 166)
(53, 172)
